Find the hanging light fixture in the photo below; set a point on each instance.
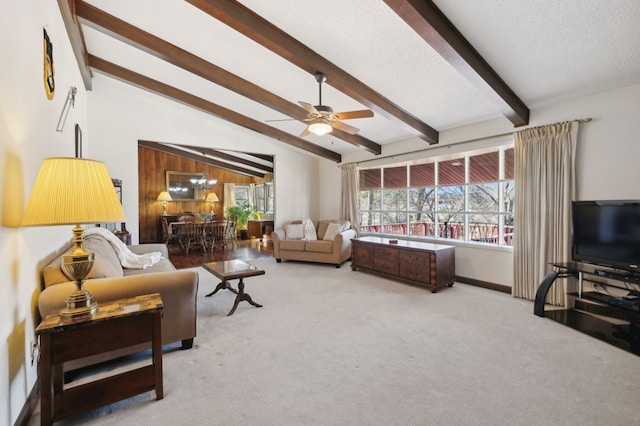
(320, 127)
(202, 182)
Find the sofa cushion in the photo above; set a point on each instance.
(52, 273)
(323, 224)
(297, 245)
(106, 263)
(309, 230)
(332, 230)
(294, 231)
(319, 246)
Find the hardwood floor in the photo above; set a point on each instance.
(247, 250)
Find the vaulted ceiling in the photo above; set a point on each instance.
(421, 66)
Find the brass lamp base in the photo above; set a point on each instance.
(76, 265)
(79, 303)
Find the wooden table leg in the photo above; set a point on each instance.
(46, 385)
(224, 285)
(157, 354)
(242, 296)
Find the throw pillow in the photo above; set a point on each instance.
(309, 230)
(332, 230)
(294, 231)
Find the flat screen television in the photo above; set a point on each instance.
(607, 233)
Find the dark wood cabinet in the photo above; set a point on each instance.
(424, 264)
(260, 228)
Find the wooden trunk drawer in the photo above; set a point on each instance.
(386, 260)
(414, 265)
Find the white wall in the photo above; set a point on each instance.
(121, 115)
(28, 135)
(608, 149)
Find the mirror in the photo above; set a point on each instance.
(188, 185)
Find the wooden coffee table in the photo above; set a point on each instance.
(231, 270)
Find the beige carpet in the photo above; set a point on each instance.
(336, 347)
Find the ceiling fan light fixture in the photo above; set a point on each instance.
(320, 128)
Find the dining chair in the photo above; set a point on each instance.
(170, 234)
(215, 233)
(230, 237)
(193, 235)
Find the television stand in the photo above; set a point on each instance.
(606, 305)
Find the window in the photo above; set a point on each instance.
(465, 197)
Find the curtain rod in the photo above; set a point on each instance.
(418, 151)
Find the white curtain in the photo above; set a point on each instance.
(229, 197)
(350, 192)
(252, 196)
(544, 187)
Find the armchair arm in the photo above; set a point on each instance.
(276, 236)
(342, 244)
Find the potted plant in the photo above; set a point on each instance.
(242, 212)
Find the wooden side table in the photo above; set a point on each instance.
(118, 324)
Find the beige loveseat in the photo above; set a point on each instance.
(312, 246)
(108, 281)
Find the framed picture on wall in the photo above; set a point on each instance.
(78, 141)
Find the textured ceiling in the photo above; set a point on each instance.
(546, 51)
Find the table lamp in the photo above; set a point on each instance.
(212, 198)
(164, 197)
(74, 191)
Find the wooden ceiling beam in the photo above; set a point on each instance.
(158, 146)
(245, 21)
(229, 157)
(133, 36)
(170, 92)
(76, 37)
(435, 28)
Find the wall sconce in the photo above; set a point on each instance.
(211, 198)
(164, 197)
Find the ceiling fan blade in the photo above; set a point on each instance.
(310, 108)
(363, 113)
(344, 127)
(305, 132)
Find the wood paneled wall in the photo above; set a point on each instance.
(152, 168)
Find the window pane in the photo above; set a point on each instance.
(421, 224)
(394, 199)
(241, 193)
(509, 195)
(509, 162)
(394, 222)
(451, 226)
(370, 221)
(370, 179)
(483, 228)
(422, 175)
(369, 200)
(483, 197)
(395, 177)
(451, 199)
(451, 172)
(508, 229)
(422, 199)
(484, 167)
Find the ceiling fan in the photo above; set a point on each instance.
(323, 120)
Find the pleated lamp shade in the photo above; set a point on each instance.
(212, 197)
(70, 191)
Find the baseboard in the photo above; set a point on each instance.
(29, 405)
(484, 284)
